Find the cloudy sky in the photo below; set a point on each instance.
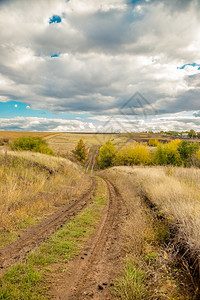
(85, 65)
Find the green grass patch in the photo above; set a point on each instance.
(27, 222)
(7, 237)
(131, 284)
(29, 280)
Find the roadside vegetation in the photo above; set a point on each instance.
(152, 267)
(175, 153)
(30, 280)
(81, 151)
(33, 185)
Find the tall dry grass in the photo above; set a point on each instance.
(176, 192)
(144, 236)
(33, 185)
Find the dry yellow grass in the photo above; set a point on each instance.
(64, 143)
(33, 184)
(15, 134)
(142, 245)
(176, 191)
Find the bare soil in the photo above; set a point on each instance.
(92, 273)
(17, 251)
(91, 161)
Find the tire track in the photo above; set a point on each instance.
(18, 250)
(92, 273)
(92, 160)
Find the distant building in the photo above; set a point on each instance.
(184, 135)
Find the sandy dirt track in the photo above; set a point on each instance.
(91, 274)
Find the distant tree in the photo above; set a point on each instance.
(192, 133)
(186, 151)
(198, 135)
(106, 155)
(80, 151)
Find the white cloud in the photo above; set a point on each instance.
(109, 50)
(178, 122)
(44, 124)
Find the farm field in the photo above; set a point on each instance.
(64, 143)
(119, 233)
(15, 134)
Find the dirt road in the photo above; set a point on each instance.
(91, 161)
(33, 237)
(91, 274)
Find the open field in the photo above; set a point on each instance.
(64, 143)
(122, 233)
(15, 134)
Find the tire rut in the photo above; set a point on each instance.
(34, 236)
(93, 271)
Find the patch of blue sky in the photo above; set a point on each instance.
(56, 54)
(138, 2)
(55, 19)
(13, 109)
(192, 65)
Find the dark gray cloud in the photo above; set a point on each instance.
(108, 51)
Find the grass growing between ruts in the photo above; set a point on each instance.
(29, 280)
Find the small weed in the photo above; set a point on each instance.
(131, 285)
(27, 222)
(151, 257)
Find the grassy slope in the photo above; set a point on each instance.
(32, 185)
(30, 279)
(176, 191)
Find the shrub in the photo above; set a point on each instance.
(106, 155)
(140, 155)
(192, 133)
(168, 154)
(197, 159)
(186, 151)
(124, 157)
(80, 151)
(153, 142)
(136, 155)
(29, 143)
